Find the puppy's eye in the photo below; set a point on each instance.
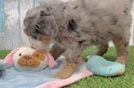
(20, 54)
(37, 31)
(37, 26)
(34, 37)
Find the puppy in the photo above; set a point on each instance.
(74, 25)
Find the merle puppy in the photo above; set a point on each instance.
(77, 24)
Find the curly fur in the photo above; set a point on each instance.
(77, 24)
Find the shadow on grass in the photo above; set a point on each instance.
(110, 55)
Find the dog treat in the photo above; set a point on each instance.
(99, 66)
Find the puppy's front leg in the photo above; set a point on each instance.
(72, 63)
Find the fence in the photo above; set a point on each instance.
(12, 13)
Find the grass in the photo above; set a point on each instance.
(124, 81)
(3, 53)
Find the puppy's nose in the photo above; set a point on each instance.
(27, 57)
(32, 47)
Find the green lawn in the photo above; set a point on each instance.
(3, 53)
(124, 81)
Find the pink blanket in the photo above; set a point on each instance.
(64, 82)
(47, 76)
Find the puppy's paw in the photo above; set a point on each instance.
(67, 71)
(63, 75)
(122, 60)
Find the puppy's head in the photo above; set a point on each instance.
(40, 27)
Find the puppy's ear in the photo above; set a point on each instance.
(49, 22)
(45, 12)
(52, 28)
(28, 20)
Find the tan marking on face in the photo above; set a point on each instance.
(42, 44)
(46, 40)
(38, 45)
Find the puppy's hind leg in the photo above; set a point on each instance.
(122, 49)
(102, 49)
